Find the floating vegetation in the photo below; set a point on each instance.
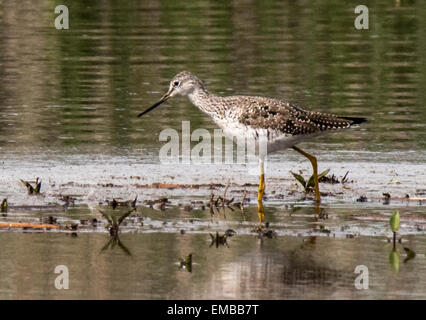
(219, 240)
(230, 232)
(394, 181)
(130, 203)
(186, 263)
(333, 179)
(114, 222)
(420, 192)
(309, 185)
(394, 255)
(241, 204)
(410, 254)
(72, 227)
(387, 197)
(394, 225)
(362, 199)
(265, 232)
(324, 229)
(67, 199)
(188, 207)
(115, 241)
(3, 206)
(159, 204)
(220, 201)
(113, 227)
(32, 190)
(394, 222)
(94, 222)
(49, 220)
(171, 186)
(394, 259)
(26, 226)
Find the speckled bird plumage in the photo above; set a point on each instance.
(271, 123)
(282, 123)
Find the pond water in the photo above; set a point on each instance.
(68, 106)
(79, 90)
(307, 258)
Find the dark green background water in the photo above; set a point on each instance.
(79, 90)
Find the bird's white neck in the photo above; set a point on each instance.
(200, 97)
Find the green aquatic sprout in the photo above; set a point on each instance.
(114, 223)
(113, 226)
(3, 205)
(186, 263)
(310, 185)
(394, 259)
(30, 188)
(114, 241)
(394, 222)
(130, 203)
(218, 239)
(410, 254)
(37, 186)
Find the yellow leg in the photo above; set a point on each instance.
(261, 182)
(313, 161)
(260, 209)
(261, 187)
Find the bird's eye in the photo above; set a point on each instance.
(176, 83)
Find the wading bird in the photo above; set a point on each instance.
(278, 122)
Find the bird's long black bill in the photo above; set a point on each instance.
(155, 105)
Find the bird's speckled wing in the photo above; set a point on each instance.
(280, 116)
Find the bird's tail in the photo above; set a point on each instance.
(355, 120)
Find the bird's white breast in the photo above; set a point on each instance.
(275, 140)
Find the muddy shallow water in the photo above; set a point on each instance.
(68, 107)
(250, 268)
(95, 178)
(304, 257)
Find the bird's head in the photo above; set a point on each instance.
(182, 84)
